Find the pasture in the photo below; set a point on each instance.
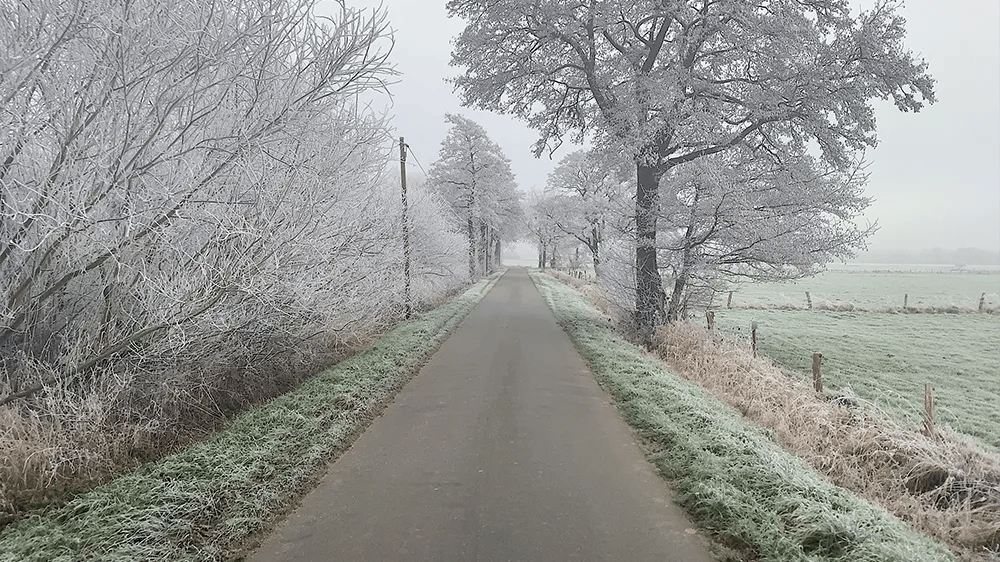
(877, 288)
(880, 355)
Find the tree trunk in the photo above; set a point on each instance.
(648, 285)
(472, 249)
(541, 255)
(676, 307)
(484, 247)
(595, 250)
(496, 257)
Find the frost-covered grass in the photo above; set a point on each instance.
(208, 501)
(888, 358)
(876, 289)
(731, 475)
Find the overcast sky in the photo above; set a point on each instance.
(935, 174)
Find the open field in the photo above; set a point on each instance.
(888, 358)
(877, 287)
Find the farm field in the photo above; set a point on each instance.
(876, 287)
(887, 358)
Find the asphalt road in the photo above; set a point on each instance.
(502, 448)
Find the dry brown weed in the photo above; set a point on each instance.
(948, 488)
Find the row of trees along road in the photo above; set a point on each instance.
(191, 202)
(779, 89)
(473, 175)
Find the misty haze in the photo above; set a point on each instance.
(453, 280)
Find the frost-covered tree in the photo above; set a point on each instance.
(673, 81)
(588, 194)
(473, 175)
(177, 176)
(438, 251)
(733, 216)
(546, 234)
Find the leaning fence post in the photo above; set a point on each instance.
(753, 337)
(929, 411)
(710, 316)
(729, 301)
(982, 302)
(818, 371)
(809, 300)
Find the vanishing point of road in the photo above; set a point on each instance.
(502, 448)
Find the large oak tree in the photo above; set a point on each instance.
(672, 81)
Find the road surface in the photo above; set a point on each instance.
(502, 448)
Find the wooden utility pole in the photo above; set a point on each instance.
(406, 231)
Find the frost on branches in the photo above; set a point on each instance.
(187, 190)
(673, 81)
(731, 217)
(583, 199)
(473, 175)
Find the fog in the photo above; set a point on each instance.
(935, 175)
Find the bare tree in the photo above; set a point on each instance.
(587, 188)
(672, 82)
(731, 217)
(542, 207)
(474, 177)
(175, 169)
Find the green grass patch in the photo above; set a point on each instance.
(888, 358)
(730, 474)
(205, 503)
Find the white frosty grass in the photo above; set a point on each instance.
(888, 358)
(840, 289)
(730, 474)
(207, 502)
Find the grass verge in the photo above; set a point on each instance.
(731, 475)
(208, 501)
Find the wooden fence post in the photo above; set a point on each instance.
(710, 316)
(906, 300)
(753, 337)
(729, 301)
(818, 371)
(929, 412)
(809, 300)
(982, 302)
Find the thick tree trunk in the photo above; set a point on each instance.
(648, 286)
(496, 256)
(541, 255)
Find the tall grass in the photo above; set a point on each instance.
(732, 475)
(947, 488)
(209, 501)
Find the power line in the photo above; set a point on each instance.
(416, 160)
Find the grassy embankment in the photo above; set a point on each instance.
(208, 501)
(888, 358)
(731, 475)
